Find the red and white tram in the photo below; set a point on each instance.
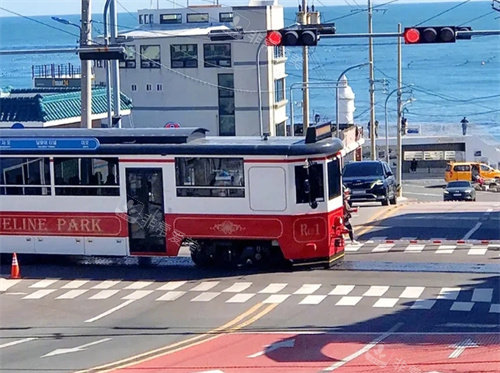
(119, 192)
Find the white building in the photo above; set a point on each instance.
(174, 72)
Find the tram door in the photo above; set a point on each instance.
(146, 218)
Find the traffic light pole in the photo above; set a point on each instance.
(399, 171)
(373, 135)
(86, 82)
(259, 98)
(115, 67)
(305, 74)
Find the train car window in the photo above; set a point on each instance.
(210, 177)
(334, 189)
(315, 176)
(25, 176)
(87, 176)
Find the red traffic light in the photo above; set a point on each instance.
(273, 38)
(292, 38)
(422, 35)
(411, 35)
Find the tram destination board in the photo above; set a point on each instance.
(26, 144)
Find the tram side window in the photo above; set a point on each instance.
(25, 176)
(210, 177)
(315, 177)
(87, 176)
(334, 189)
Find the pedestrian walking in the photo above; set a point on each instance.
(464, 122)
(348, 210)
(403, 125)
(413, 165)
(376, 128)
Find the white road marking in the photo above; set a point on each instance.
(308, 289)
(75, 284)
(72, 294)
(205, 297)
(348, 301)
(383, 247)
(240, 298)
(138, 294)
(423, 304)
(274, 346)
(172, 285)
(446, 249)
(7, 283)
(276, 298)
(205, 285)
(365, 349)
(414, 248)
(171, 295)
(61, 351)
(449, 293)
(468, 325)
(472, 231)
(43, 284)
(460, 347)
(237, 287)
(313, 299)
(482, 295)
(13, 343)
(138, 285)
(386, 302)
(477, 250)
(412, 292)
(376, 291)
(352, 247)
(495, 308)
(39, 294)
(105, 284)
(272, 288)
(104, 294)
(109, 312)
(341, 290)
(462, 306)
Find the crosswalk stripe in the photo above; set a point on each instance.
(308, 289)
(273, 288)
(423, 304)
(205, 285)
(386, 302)
(104, 294)
(446, 249)
(376, 291)
(205, 297)
(313, 299)
(495, 308)
(348, 301)
(72, 294)
(414, 248)
(43, 284)
(138, 294)
(240, 298)
(106, 284)
(352, 247)
(39, 294)
(7, 283)
(477, 250)
(276, 298)
(461, 306)
(138, 285)
(171, 295)
(171, 285)
(341, 290)
(412, 292)
(449, 293)
(237, 287)
(482, 295)
(75, 284)
(383, 247)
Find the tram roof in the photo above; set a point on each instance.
(187, 140)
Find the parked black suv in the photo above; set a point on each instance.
(370, 181)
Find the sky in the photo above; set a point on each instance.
(64, 7)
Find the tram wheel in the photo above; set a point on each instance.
(200, 254)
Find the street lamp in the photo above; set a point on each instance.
(386, 126)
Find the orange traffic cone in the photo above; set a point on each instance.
(14, 270)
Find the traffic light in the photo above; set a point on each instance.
(293, 38)
(422, 35)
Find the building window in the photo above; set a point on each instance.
(129, 62)
(150, 57)
(226, 17)
(183, 55)
(87, 176)
(134, 87)
(148, 87)
(159, 87)
(24, 176)
(210, 177)
(227, 126)
(150, 18)
(216, 55)
(141, 20)
(314, 176)
(99, 63)
(279, 90)
(279, 51)
(197, 17)
(167, 19)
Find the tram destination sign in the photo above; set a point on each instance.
(47, 143)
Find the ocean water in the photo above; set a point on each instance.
(449, 81)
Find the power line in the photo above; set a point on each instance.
(443, 12)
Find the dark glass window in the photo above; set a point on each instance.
(314, 174)
(129, 62)
(183, 55)
(87, 176)
(170, 18)
(334, 187)
(150, 57)
(197, 17)
(216, 55)
(210, 177)
(279, 51)
(279, 90)
(24, 176)
(227, 124)
(226, 17)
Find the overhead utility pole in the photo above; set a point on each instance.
(115, 67)
(399, 167)
(86, 73)
(305, 73)
(372, 84)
